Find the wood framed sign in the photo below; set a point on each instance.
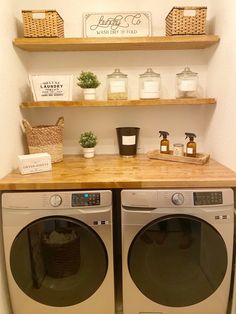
(120, 24)
(51, 87)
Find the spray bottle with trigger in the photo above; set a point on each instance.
(164, 143)
(191, 147)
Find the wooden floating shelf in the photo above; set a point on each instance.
(116, 43)
(119, 103)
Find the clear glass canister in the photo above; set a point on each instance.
(178, 149)
(117, 85)
(186, 84)
(149, 85)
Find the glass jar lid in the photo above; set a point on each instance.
(187, 73)
(117, 74)
(178, 145)
(149, 73)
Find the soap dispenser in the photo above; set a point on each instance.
(191, 147)
(164, 143)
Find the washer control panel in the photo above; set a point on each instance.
(208, 198)
(55, 200)
(177, 199)
(85, 199)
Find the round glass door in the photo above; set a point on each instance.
(178, 260)
(58, 261)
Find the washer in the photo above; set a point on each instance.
(59, 251)
(177, 250)
(233, 281)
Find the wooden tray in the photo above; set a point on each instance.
(200, 159)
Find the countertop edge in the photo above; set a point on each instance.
(119, 173)
(119, 185)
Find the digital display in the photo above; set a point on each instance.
(208, 198)
(85, 199)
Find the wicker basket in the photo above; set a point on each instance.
(61, 260)
(186, 21)
(46, 139)
(42, 23)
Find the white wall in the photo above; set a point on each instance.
(221, 130)
(216, 67)
(12, 82)
(103, 121)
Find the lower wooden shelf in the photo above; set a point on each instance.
(119, 103)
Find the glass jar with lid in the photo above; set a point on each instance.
(149, 85)
(186, 84)
(117, 85)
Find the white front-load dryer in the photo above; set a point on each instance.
(59, 251)
(177, 250)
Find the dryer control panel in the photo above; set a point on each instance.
(186, 198)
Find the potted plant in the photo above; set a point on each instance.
(88, 141)
(88, 81)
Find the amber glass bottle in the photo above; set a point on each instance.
(164, 143)
(191, 147)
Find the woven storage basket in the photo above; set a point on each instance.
(46, 139)
(42, 23)
(186, 21)
(61, 260)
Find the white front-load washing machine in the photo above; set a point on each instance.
(177, 250)
(59, 251)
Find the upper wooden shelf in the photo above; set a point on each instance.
(119, 103)
(112, 44)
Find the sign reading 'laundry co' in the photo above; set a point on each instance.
(121, 24)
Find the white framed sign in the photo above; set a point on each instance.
(117, 24)
(51, 87)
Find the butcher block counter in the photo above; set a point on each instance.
(113, 171)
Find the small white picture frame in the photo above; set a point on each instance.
(51, 87)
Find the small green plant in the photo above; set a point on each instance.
(88, 140)
(88, 80)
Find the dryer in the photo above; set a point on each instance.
(177, 250)
(59, 251)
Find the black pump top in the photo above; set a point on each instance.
(190, 135)
(164, 134)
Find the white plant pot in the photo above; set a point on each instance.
(89, 152)
(89, 93)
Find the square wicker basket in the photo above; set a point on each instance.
(42, 23)
(186, 21)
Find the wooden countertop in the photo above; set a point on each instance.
(113, 171)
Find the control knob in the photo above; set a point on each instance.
(55, 200)
(177, 199)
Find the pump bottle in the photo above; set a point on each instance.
(191, 147)
(164, 143)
